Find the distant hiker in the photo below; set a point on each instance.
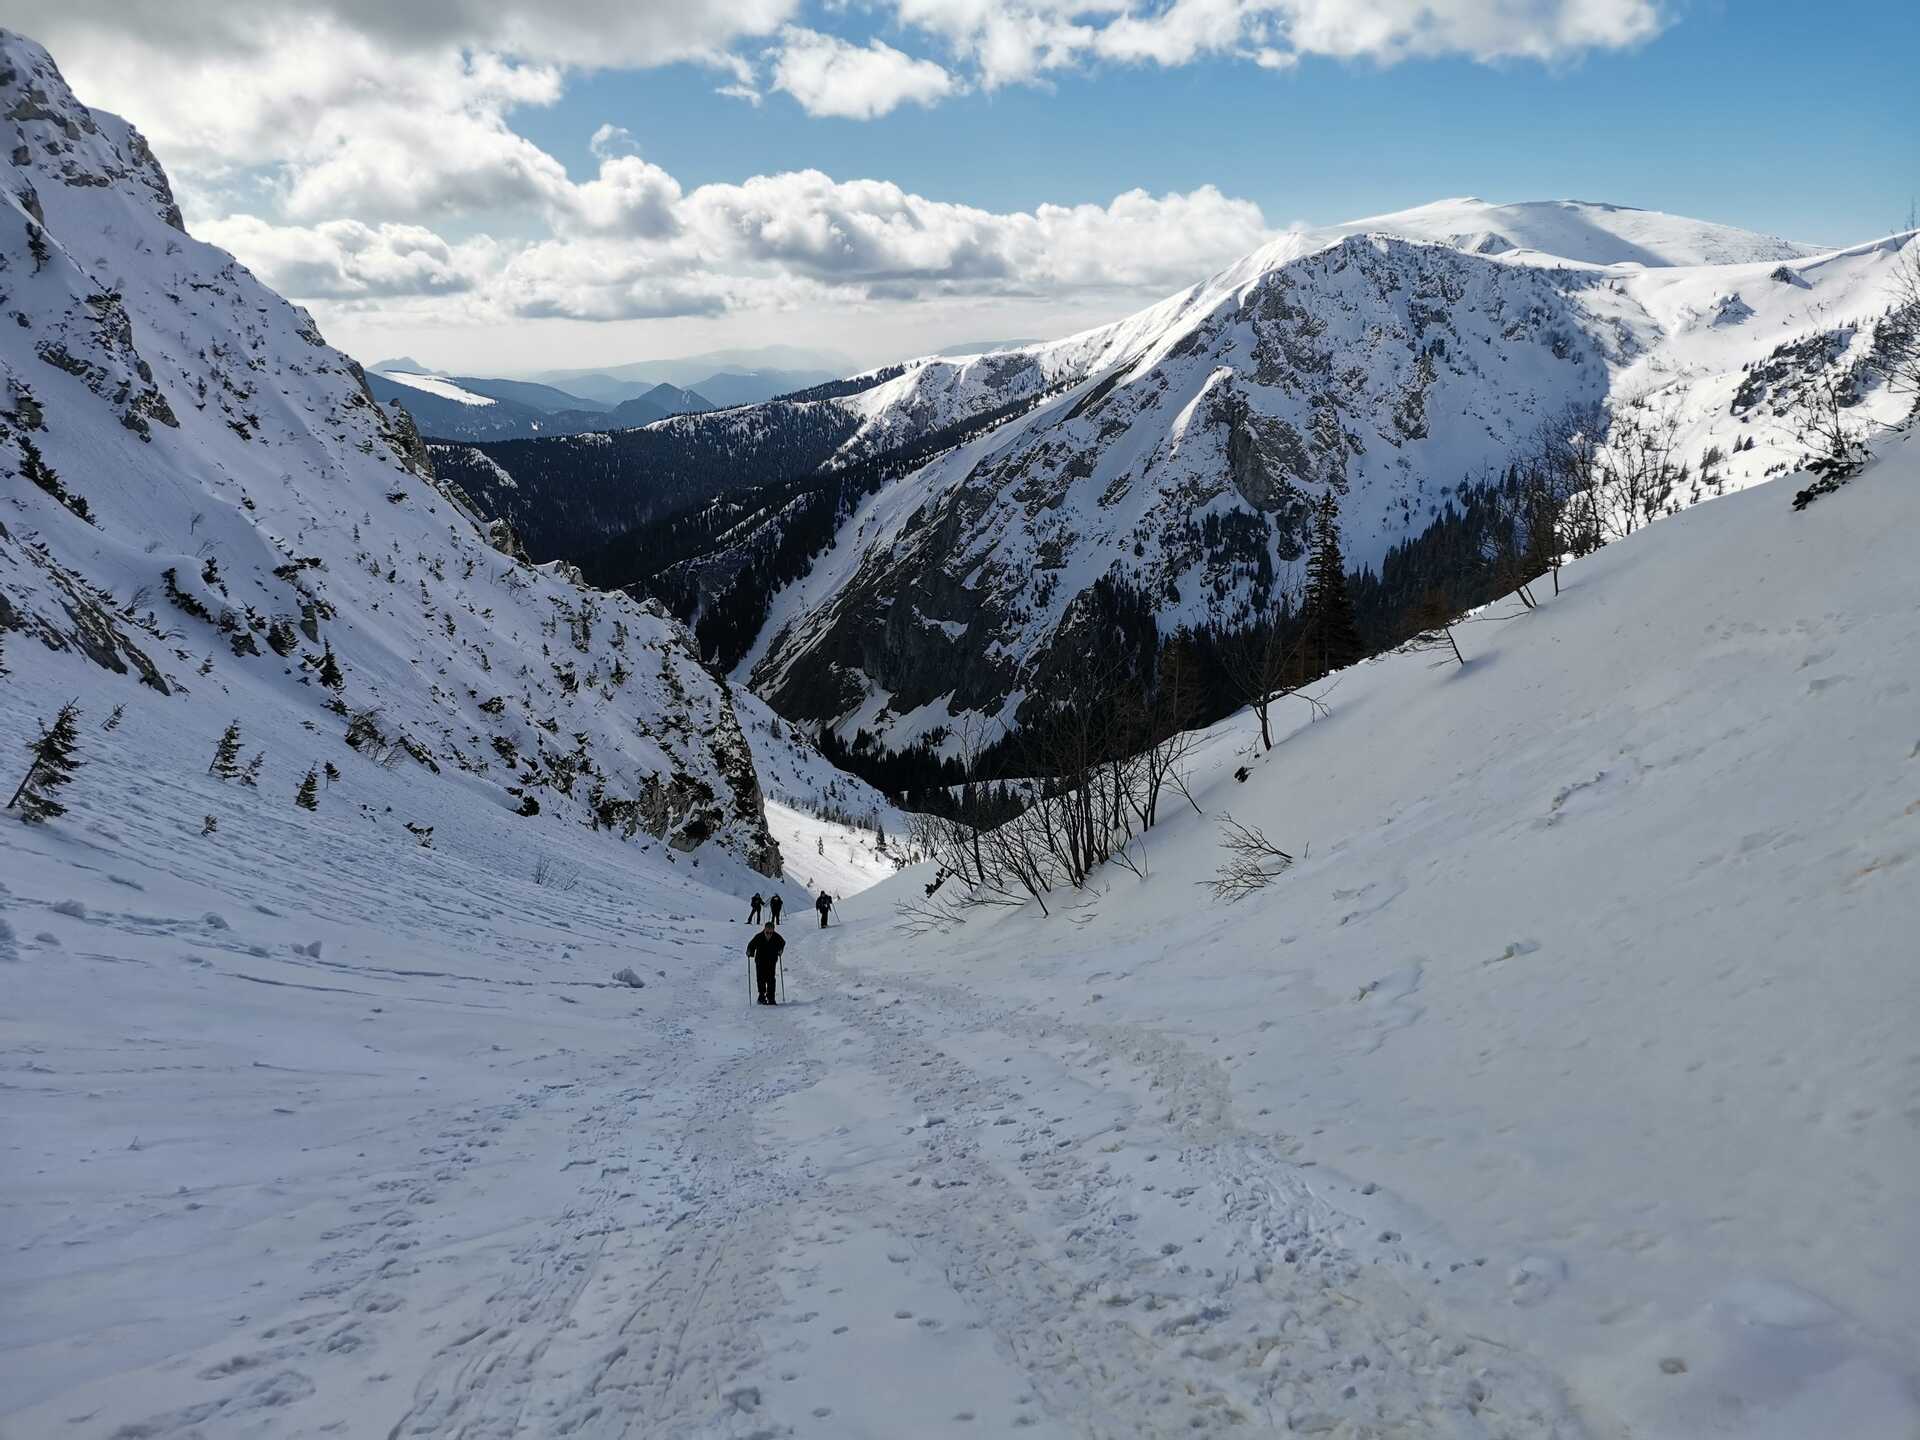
(764, 950)
(776, 905)
(823, 905)
(753, 913)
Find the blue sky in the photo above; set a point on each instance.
(1765, 115)
(427, 178)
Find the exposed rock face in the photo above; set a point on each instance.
(200, 495)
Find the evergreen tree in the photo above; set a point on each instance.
(330, 675)
(52, 766)
(251, 775)
(4, 672)
(307, 797)
(208, 825)
(226, 755)
(333, 772)
(1329, 636)
(112, 722)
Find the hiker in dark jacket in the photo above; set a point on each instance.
(823, 905)
(753, 913)
(764, 950)
(775, 907)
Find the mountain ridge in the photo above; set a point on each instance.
(204, 496)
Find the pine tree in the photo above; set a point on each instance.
(112, 721)
(52, 766)
(333, 772)
(4, 672)
(1330, 638)
(251, 775)
(226, 755)
(208, 825)
(330, 675)
(307, 797)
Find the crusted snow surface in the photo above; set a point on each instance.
(1587, 1009)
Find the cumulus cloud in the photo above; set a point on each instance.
(1016, 41)
(632, 243)
(829, 76)
(346, 260)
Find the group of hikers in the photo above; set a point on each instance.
(767, 943)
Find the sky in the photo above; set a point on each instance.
(503, 186)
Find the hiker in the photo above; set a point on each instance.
(823, 905)
(753, 914)
(764, 950)
(775, 907)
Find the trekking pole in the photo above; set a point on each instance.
(753, 991)
(783, 982)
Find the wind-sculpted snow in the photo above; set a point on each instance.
(202, 496)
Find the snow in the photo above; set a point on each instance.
(437, 385)
(1560, 1090)
(828, 823)
(1565, 1087)
(824, 855)
(1595, 981)
(1441, 361)
(1595, 234)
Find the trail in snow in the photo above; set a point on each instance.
(440, 1181)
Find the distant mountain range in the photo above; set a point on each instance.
(894, 551)
(468, 407)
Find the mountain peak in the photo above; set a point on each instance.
(1588, 232)
(62, 145)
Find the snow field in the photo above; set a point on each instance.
(1598, 966)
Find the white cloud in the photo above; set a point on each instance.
(1016, 41)
(611, 140)
(346, 260)
(631, 243)
(828, 76)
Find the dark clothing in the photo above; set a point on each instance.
(765, 952)
(823, 905)
(753, 911)
(774, 907)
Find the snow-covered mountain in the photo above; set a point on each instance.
(1179, 453)
(1582, 230)
(202, 498)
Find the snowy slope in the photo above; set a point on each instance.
(835, 831)
(200, 494)
(1180, 452)
(1591, 1000)
(1595, 234)
(438, 386)
(1562, 1090)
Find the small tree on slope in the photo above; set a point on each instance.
(226, 755)
(307, 797)
(53, 764)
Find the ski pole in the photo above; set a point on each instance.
(783, 981)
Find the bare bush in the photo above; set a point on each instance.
(550, 874)
(1252, 861)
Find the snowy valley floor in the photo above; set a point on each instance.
(1567, 1087)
